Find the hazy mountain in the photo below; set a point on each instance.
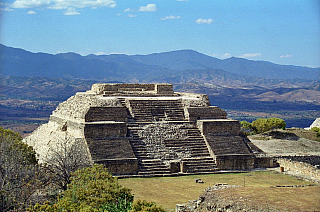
(174, 66)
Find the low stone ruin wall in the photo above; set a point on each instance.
(103, 130)
(212, 112)
(113, 88)
(263, 162)
(164, 88)
(126, 166)
(235, 162)
(118, 114)
(301, 166)
(219, 127)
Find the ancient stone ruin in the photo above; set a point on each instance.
(147, 130)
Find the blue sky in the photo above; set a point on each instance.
(279, 31)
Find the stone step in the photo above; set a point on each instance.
(151, 173)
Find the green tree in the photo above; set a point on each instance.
(91, 189)
(144, 206)
(246, 127)
(263, 125)
(20, 175)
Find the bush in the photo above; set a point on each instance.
(317, 130)
(144, 206)
(20, 175)
(246, 127)
(263, 125)
(91, 189)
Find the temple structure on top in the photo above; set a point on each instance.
(147, 130)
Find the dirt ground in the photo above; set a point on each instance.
(289, 145)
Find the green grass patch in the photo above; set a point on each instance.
(169, 191)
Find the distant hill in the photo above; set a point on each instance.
(168, 66)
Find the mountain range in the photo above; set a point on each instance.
(172, 67)
(32, 84)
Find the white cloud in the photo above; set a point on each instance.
(6, 9)
(127, 10)
(204, 21)
(148, 8)
(30, 3)
(101, 53)
(62, 4)
(250, 55)
(170, 17)
(286, 56)
(226, 55)
(131, 15)
(31, 12)
(71, 11)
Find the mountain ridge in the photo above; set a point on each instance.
(139, 68)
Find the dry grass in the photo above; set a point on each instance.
(169, 191)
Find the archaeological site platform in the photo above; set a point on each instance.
(147, 130)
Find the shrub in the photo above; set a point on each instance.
(144, 206)
(317, 130)
(246, 127)
(91, 189)
(20, 175)
(263, 125)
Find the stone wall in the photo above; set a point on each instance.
(219, 127)
(235, 162)
(195, 100)
(126, 166)
(113, 88)
(300, 168)
(110, 148)
(263, 162)
(118, 114)
(196, 113)
(104, 130)
(164, 88)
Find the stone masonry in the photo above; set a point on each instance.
(147, 130)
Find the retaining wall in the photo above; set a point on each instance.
(219, 127)
(101, 130)
(125, 166)
(300, 168)
(197, 113)
(118, 114)
(235, 162)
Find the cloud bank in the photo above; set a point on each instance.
(69, 5)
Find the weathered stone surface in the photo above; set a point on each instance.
(146, 129)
